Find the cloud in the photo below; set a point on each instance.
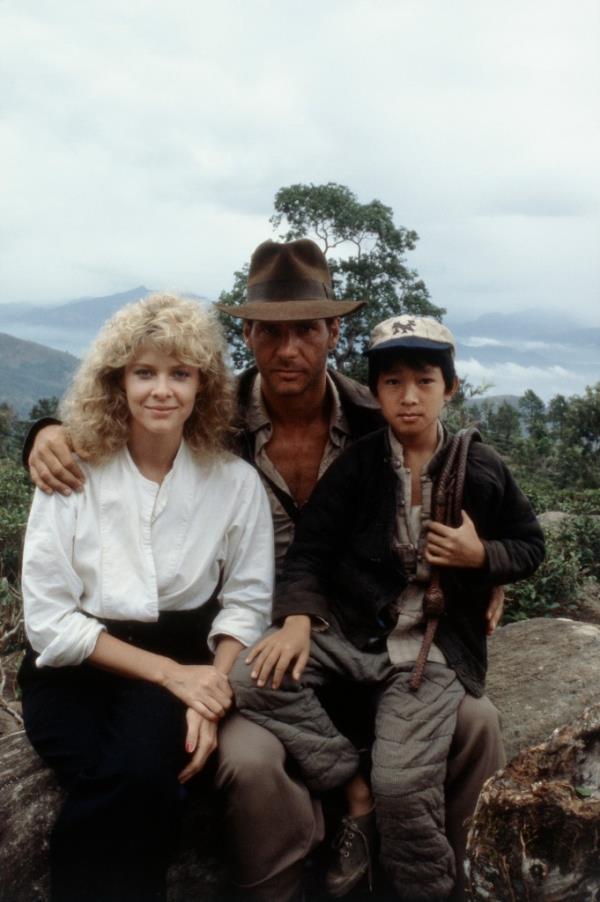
(514, 344)
(145, 143)
(514, 379)
(540, 201)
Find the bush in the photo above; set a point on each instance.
(572, 554)
(544, 497)
(12, 630)
(586, 530)
(15, 498)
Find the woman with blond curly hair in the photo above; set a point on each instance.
(139, 592)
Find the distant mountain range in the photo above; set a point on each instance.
(30, 371)
(527, 339)
(39, 356)
(509, 351)
(69, 327)
(512, 352)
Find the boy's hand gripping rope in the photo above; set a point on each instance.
(446, 508)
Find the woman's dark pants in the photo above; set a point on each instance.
(116, 746)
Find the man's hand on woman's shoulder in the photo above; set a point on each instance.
(52, 464)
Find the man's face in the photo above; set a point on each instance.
(291, 356)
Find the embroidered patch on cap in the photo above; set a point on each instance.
(408, 331)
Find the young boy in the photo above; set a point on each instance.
(351, 599)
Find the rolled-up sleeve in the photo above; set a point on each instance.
(56, 627)
(248, 569)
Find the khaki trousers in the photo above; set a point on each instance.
(272, 822)
(477, 751)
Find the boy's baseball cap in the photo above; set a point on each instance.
(407, 331)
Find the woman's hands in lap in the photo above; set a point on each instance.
(200, 743)
(202, 688)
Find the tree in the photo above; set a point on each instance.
(366, 256)
(533, 416)
(239, 353)
(463, 411)
(45, 407)
(10, 434)
(556, 416)
(535, 450)
(501, 426)
(583, 421)
(579, 450)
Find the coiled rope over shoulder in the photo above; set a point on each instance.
(446, 508)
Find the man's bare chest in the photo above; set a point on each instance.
(297, 456)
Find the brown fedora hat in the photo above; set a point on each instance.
(289, 281)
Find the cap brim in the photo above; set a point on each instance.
(410, 341)
(290, 311)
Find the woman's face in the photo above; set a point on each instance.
(161, 392)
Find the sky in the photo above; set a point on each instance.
(143, 142)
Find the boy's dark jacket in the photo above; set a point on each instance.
(342, 560)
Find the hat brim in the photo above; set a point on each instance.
(290, 311)
(410, 341)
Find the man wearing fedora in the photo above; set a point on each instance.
(295, 417)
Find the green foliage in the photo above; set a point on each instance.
(15, 497)
(11, 431)
(556, 416)
(369, 262)
(45, 407)
(12, 636)
(572, 554)
(533, 415)
(239, 354)
(586, 532)
(366, 256)
(501, 426)
(578, 452)
(461, 412)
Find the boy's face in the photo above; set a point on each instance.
(411, 401)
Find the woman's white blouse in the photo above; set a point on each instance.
(126, 548)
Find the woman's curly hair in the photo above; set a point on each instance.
(95, 410)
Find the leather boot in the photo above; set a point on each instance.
(353, 854)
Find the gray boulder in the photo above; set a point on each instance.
(543, 673)
(29, 800)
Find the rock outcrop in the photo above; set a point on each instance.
(543, 674)
(29, 800)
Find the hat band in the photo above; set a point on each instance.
(304, 290)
